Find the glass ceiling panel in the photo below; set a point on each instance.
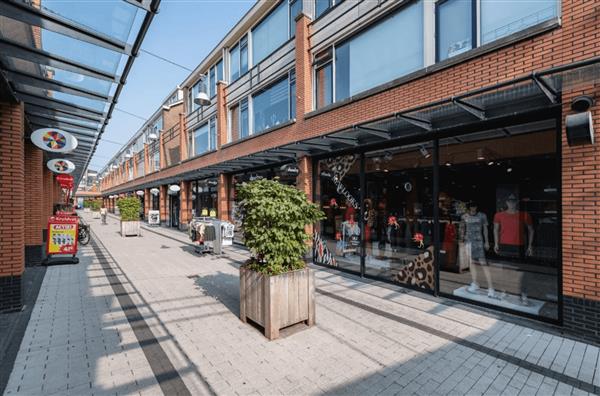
(110, 17)
(80, 52)
(79, 80)
(74, 99)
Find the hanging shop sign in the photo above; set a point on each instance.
(290, 170)
(62, 235)
(140, 193)
(212, 182)
(154, 191)
(54, 140)
(60, 165)
(174, 189)
(65, 181)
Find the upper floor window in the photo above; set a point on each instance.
(386, 51)
(156, 160)
(238, 59)
(323, 5)
(215, 75)
(204, 138)
(274, 30)
(271, 106)
(239, 126)
(457, 25)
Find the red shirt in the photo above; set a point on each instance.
(512, 227)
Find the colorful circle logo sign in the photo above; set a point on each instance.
(54, 140)
(60, 165)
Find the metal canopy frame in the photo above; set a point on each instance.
(521, 100)
(82, 108)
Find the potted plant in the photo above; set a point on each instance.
(129, 209)
(95, 206)
(276, 286)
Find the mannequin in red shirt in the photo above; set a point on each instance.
(509, 235)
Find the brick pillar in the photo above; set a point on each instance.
(147, 202)
(303, 67)
(223, 196)
(163, 197)
(185, 211)
(221, 114)
(12, 206)
(304, 183)
(161, 149)
(183, 138)
(146, 160)
(581, 228)
(135, 169)
(34, 219)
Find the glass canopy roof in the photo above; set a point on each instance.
(68, 61)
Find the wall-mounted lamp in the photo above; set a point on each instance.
(202, 99)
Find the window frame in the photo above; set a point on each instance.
(285, 77)
(474, 26)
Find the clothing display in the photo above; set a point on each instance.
(512, 227)
(473, 233)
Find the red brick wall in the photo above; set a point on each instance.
(12, 190)
(33, 199)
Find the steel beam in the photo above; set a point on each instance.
(417, 121)
(470, 108)
(48, 101)
(20, 77)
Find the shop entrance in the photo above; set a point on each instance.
(174, 204)
(474, 217)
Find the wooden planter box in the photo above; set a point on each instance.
(130, 228)
(95, 215)
(276, 302)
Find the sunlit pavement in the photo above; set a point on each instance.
(148, 316)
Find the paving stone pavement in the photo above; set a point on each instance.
(149, 316)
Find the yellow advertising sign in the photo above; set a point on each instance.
(62, 238)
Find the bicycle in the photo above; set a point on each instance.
(84, 233)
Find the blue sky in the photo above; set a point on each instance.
(184, 31)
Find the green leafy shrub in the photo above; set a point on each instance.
(274, 220)
(129, 208)
(87, 203)
(95, 205)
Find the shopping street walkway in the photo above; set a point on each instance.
(149, 316)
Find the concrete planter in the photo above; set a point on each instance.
(276, 302)
(130, 228)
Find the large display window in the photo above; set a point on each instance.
(204, 198)
(475, 216)
(499, 192)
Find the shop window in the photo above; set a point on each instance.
(455, 30)
(204, 198)
(398, 216)
(338, 238)
(500, 19)
(498, 202)
(270, 33)
(324, 78)
(379, 55)
(271, 107)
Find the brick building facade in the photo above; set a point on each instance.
(555, 56)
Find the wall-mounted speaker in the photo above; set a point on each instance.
(580, 129)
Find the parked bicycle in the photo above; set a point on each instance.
(84, 232)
